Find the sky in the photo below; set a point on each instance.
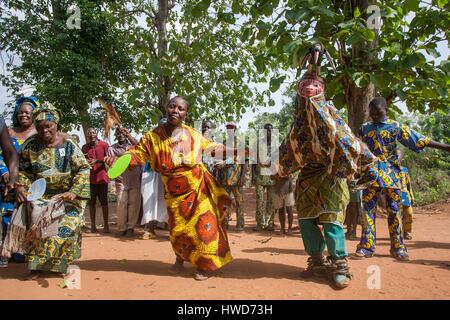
(248, 116)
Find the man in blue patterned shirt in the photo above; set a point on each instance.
(381, 136)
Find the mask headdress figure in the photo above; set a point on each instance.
(325, 150)
(314, 58)
(325, 137)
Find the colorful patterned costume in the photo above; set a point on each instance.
(65, 169)
(7, 202)
(407, 201)
(382, 140)
(231, 178)
(265, 211)
(327, 153)
(196, 203)
(322, 146)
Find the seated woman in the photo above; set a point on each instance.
(196, 203)
(50, 155)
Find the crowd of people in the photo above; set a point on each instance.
(331, 176)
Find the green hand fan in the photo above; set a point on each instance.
(119, 166)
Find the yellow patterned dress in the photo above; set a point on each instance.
(196, 203)
(65, 169)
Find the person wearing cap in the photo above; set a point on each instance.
(22, 128)
(265, 211)
(51, 155)
(128, 186)
(231, 175)
(326, 152)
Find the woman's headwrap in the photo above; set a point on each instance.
(32, 101)
(46, 112)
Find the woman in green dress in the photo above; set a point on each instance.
(50, 155)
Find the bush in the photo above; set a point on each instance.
(429, 170)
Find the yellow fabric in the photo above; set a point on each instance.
(407, 219)
(196, 203)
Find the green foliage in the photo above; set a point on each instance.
(281, 121)
(430, 171)
(121, 53)
(205, 60)
(69, 67)
(392, 58)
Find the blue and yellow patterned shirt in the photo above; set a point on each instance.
(382, 138)
(407, 194)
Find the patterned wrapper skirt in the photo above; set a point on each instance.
(58, 252)
(196, 206)
(321, 195)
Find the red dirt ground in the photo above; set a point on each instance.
(122, 268)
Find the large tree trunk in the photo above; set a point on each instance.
(358, 100)
(163, 81)
(365, 55)
(84, 114)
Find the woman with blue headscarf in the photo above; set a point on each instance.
(22, 129)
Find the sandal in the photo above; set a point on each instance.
(4, 262)
(201, 275)
(400, 255)
(258, 228)
(148, 235)
(407, 236)
(359, 255)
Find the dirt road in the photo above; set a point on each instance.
(266, 266)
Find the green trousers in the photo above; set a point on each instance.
(315, 242)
